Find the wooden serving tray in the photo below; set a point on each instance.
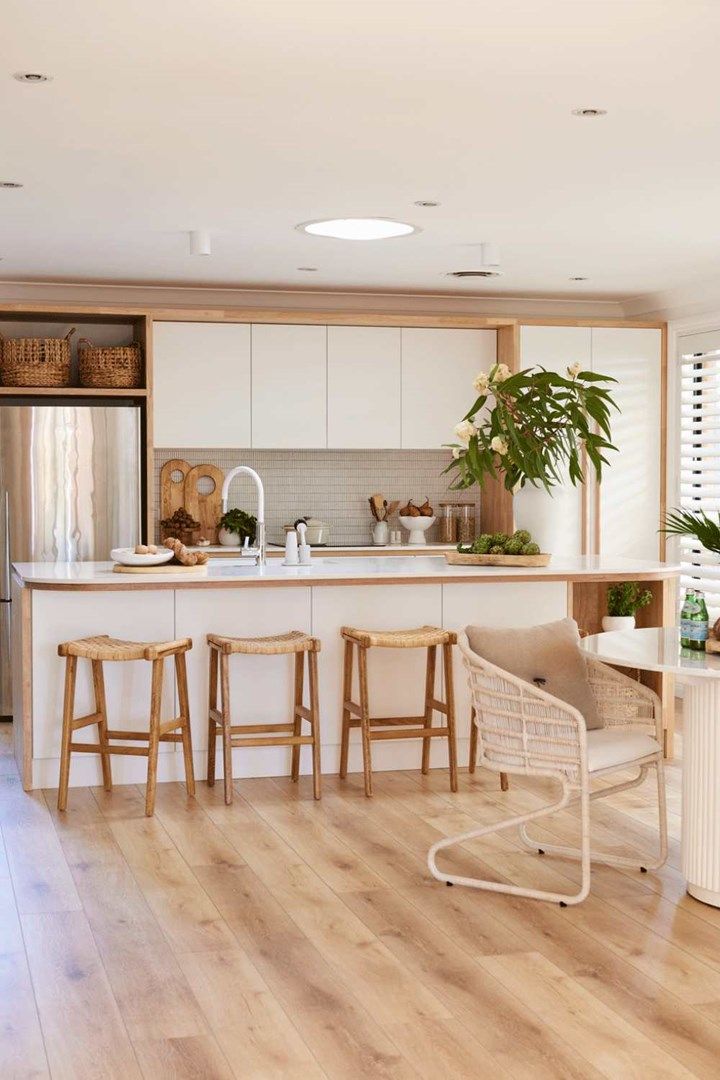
(456, 558)
(164, 568)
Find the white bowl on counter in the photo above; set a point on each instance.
(127, 557)
(417, 527)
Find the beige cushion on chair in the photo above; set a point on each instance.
(550, 652)
(610, 747)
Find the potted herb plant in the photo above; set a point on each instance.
(234, 526)
(535, 426)
(623, 601)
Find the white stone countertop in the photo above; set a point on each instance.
(340, 570)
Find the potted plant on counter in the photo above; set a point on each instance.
(535, 426)
(234, 526)
(623, 601)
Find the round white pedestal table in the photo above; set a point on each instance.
(658, 649)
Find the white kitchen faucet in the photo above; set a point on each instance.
(260, 533)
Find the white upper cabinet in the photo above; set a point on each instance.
(438, 369)
(289, 386)
(631, 486)
(201, 390)
(363, 387)
(555, 521)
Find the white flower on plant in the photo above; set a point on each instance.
(499, 445)
(574, 370)
(482, 382)
(465, 431)
(502, 372)
(457, 452)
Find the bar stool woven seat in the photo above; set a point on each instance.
(422, 638)
(294, 641)
(356, 714)
(289, 733)
(103, 647)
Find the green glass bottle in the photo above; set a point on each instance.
(694, 621)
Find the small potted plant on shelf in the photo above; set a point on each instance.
(234, 526)
(623, 601)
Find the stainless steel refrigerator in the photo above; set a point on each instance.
(70, 490)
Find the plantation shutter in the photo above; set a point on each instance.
(700, 456)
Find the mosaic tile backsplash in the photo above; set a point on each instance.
(330, 484)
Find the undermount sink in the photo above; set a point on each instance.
(384, 563)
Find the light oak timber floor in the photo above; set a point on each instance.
(284, 938)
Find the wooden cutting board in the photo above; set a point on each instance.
(456, 558)
(205, 508)
(172, 492)
(164, 568)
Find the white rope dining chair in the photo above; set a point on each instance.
(523, 730)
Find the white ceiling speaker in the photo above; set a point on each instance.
(200, 242)
(489, 267)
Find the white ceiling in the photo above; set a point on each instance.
(246, 117)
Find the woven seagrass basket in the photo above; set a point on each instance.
(110, 366)
(35, 361)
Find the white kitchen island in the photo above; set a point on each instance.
(56, 602)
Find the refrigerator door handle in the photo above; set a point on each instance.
(6, 530)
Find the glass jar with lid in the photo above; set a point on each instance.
(465, 522)
(447, 524)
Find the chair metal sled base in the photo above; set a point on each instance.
(570, 795)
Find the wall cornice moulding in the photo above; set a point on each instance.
(689, 302)
(189, 296)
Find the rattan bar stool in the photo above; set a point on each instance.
(290, 734)
(398, 727)
(98, 650)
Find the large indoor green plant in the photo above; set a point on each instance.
(532, 427)
(695, 523)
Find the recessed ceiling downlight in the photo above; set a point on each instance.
(589, 112)
(32, 77)
(10, 184)
(358, 228)
(577, 277)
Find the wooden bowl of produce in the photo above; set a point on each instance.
(499, 549)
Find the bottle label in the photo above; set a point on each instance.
(693, 630)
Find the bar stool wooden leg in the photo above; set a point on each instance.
(226, 733)
(297, 718)
(154, 738)
(183, 702)
(365, 719)
(347, 694)
(450, 704)
(429, 695)
(315, 722)
(472, 757)
(68, 709)
(212, 723)
(101, 709)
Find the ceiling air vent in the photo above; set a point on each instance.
(489, 264)
(488, 272)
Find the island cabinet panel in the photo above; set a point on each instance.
(289, 386)
(58, 617)
(438, 369)
(364, 387)
(261, 687)
(501, 605)
(396, 677)
(201, 384)
(630, 493)
(555, 520)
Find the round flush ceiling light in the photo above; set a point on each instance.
(31, 77)
(358, 228)
(589, 113)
